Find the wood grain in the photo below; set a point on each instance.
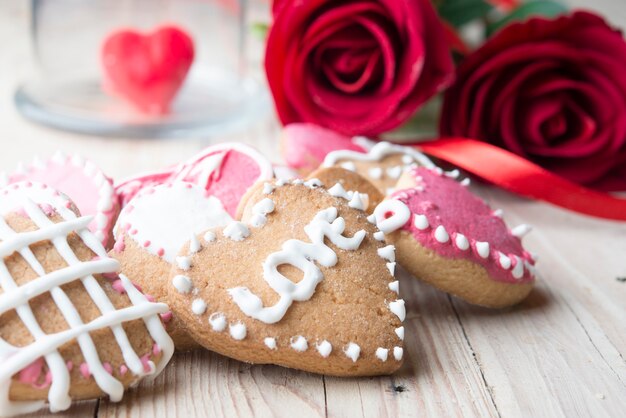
(560, 353)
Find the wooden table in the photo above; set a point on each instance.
(559, 353)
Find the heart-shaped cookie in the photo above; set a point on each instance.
(153, 227)
(304, 281)
(75, 176)
(448, 237)
(66, 331)
(226, 171)
(147, 69)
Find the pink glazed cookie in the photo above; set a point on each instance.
(305, 145)
(225, 171)
(451, 239)
(81, 179)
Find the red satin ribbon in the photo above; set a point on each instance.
(520, 176)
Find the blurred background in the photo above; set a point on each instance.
(45, 42)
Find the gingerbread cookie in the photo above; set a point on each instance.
(349, 180)
(382, 164)
(75, 176)
(66, 331)
(153, 227)
(225, 171)
(303, 281)
(448, 237)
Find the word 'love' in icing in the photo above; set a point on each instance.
(303, 256)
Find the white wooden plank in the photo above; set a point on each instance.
(203, 384)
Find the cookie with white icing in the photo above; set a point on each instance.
(303, 281)
(70, 327)
(382, 164)
(153, 227)
(89, 187)
(225, 171)
(350, 180)
(450, 238)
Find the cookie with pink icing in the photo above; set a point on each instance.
(450, 238)
(303, 281)
(81, 179)
(70, 327)
(226, 171)
(152, 228)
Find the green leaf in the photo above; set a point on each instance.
(546, 8)
(259, 30)
(460, 12)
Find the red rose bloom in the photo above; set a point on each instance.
(553, 91)
(357, 67)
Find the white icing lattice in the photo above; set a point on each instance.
(33, 201)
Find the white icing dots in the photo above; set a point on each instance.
(198, 306)
(260, 210)
(394, 172)
(397, 307)
(395, 286)
(338, 191)
(521, 230)
(270, 342)
(194, 245)
(382, 354)
(391, 215)
(461, 242)
(238, 331)
(482, 248)
(313, 183)
(371, 219)
(388, 253)
(352, 351)
(236, 231)
(400, 332)
(398, 352)
(465, 182)
(421, 222)
(210, 236)
(217, 320)
(324, 348)
(182, 283)
(441, 235)
(392, 268)
(183, 262)
(518, 269)
(505, 262)
(356, 202)
(299, 343)
(379, 236)
(268, 188)
(375, 172)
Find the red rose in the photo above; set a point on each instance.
(553, 91)
(358, 67)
